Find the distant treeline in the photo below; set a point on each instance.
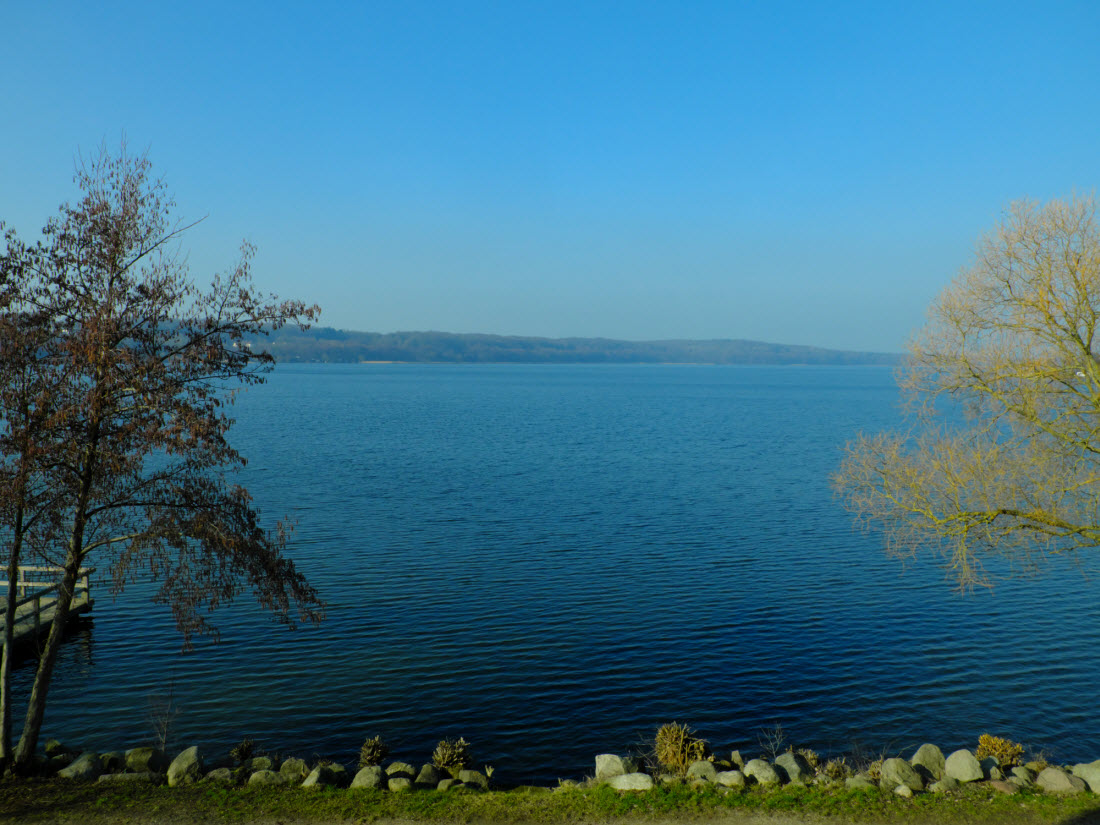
(340, 346)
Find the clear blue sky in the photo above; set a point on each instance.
(794, 172)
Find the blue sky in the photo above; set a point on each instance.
(783, 171)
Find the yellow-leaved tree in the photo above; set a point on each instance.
(1001, 455)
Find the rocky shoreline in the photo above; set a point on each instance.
(926, 771)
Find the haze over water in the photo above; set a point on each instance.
(552, 560)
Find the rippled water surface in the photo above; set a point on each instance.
(552, 560)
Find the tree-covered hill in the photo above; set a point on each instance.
(341, 346)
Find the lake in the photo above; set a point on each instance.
(551, 561)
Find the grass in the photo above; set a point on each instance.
(58, 801)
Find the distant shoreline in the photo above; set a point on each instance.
(328, 345)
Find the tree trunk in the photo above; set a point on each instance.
(9, 652)
(9, 643)
(36, 705)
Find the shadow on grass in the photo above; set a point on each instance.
(1084, 818)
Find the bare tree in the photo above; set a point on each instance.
(1013, 470)
(136, 376)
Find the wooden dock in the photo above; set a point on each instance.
(37, 591)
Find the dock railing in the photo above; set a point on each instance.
(35, 597)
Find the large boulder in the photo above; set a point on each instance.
(294, 770)
(85, 768)
(730, 779)
(1056, 780)
(475, 779)
(186, 768)
(221, 776)
(399, 784)
(930, 758)
(702, 770)
(54, 748)
(430, 776)
(260, 763)
(334, 776)
(991, 768)
(631, 782)
(267, 777)
(1088, 771)
(899, 772)
(370, 778)
(140, 760)
(395, 769)
(963, 766)
(113, 761)
(795, 767)
(762, 771)
(610, 764)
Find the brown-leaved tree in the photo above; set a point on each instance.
(1002, 458)
(114, 446)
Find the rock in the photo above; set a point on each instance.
(899, 772)
(962, 765)
(730, 779)
(260, 763)
(447, 784)
(670, 780)
(401, 769)
(223, 776)
(56, 764)
(185, 768)
(399, 784)
(332, 776)
(904, 790)
(144, 776)
(430, 776)
(631, 782)
(267, 777)
(1056, 780)
(929, 757)
(473, 778)
(761, 771)
(54, 748)
(702, 769)
(610, 764)
(1088, 771)
(859, 783)
(113, 762)
(295, 769)
(139, 760)
(1036, 768)
(991, 767)
(1001, 786)
(84, 768)
(1023, 773)
(736, 759)
(370, 778)
(948, 783)
(796, 768)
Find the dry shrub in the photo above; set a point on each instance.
(1006, 751)
(836, 770)
(452, 755)
(374, 750)
(676, 747)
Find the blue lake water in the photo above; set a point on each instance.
(552, 560)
